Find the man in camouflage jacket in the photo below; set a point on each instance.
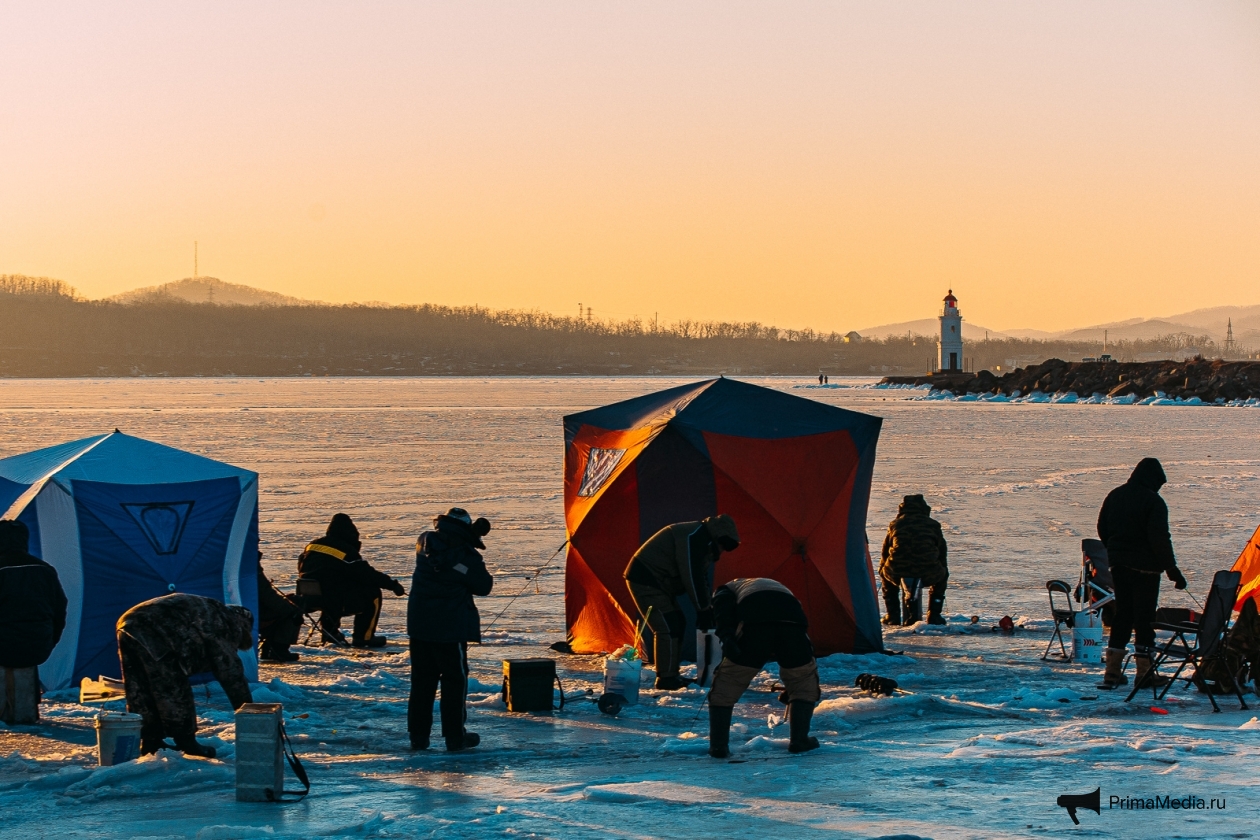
(162, 643)
(914, 555)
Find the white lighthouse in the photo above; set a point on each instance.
(951, 335)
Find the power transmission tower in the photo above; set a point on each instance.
(1231, 346)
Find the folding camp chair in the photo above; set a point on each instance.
(310, 598)
(1063, 616)
(1209, 640)
(1095, 587)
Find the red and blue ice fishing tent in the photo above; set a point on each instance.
(795, 475)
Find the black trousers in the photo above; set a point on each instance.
(1137, 596)
(434, 664)
(363, 604)
(762, 642)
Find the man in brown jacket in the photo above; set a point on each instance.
(162, 643)
(677, 561)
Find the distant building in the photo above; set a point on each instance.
(951, 335)
(852, 337)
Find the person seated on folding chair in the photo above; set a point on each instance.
(279, 621)
(914, 557)
(759, 620)
(348, 583)
(1133, 524)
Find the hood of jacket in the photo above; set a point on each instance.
(1149, 473)
(722, 529)
(15, 538)
(914, 506)
(449, 526)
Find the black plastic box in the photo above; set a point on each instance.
(528, 684)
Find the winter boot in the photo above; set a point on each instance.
(667, 654)
(1114, 676)
(911, 602)
(469, 740)
(188, 745)
(152, 739)
(720, 731)
(376, 640)
(935, 605)
(1145, 677)
(800, 713)
(275, 653)
(892, 603)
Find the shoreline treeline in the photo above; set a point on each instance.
(51, 331)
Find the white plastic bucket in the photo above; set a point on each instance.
(708, 655)
(1087, 638)
(621, 676)
(117, 737)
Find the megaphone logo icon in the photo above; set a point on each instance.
(1071, 802)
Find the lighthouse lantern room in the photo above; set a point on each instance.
(951, 335)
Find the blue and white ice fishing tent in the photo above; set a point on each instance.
(124, 520)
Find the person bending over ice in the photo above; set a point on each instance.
(442, 619)
(759, 620)
(914, 557)
(1133, 524)
(677, 560)
(348, 584)
(164, 641)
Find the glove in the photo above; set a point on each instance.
(1178, 579)
(730, 648)
(397, 589)
(704, 619)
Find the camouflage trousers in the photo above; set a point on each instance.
(731, 680)
(157, 691)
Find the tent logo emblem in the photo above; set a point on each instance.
(161, 522)
(599, 465)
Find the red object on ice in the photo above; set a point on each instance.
(793, 473)
(1157, 710)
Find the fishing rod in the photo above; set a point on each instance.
(530, 579)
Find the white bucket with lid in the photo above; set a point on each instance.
(117, 737)
(621, 676)
(1087, 638)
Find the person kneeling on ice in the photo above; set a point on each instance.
(914, 557)
(759, 620)
(164, 641)
(348, 584)
(1133, 524)
(677, 560)
(442, 619)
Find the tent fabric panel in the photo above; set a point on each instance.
(675, 484)
(123, 459)
(59, 547)
(831, 627)
(10, 491)
(1249, 564)
(637, 412)
(30, 467)
(240, 569)
(865, 602)
(741, 409)
(576, 457)
(597, 622)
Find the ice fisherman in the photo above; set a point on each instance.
(914, 557)
(759, 620)
(279, 621)
(162, 643)
(349, 585)
(32, 602)
(677, 560)
(442, 619)
(1133, 524)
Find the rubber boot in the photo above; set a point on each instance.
(470, 740)
(800, 713)
(911, 607)
(1145, 677)
(892, 603)
(667, 653)
(1114, 676)
(935, 606)
(720, 731)
(152, 739)
(188, 745)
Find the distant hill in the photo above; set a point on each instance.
(208, 290)
(929, 327)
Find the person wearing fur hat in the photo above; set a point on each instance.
(677, 561)
(348, 583)
(442, 619)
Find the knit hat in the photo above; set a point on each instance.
(342, 528)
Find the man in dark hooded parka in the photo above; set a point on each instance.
(348, 583)
(32, 602)
(162, 643)
(442, 619)
(1133, 524)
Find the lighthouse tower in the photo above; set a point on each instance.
(951, 335)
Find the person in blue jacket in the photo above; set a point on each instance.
(442, 619)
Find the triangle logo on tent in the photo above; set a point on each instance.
(161, 522)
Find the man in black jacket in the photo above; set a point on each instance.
(32, 602)
(441, 620)
(348, 583)
(1133, 524)
(279, 621)
(759, 620)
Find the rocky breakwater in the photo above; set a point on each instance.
(1211, 381)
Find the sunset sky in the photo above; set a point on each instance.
(834, 165)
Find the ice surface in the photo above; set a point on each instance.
(981, 742)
